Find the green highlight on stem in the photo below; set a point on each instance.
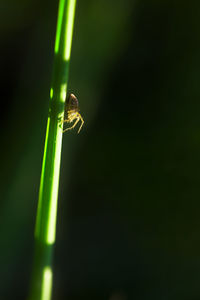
(45, 229)
(46, 284)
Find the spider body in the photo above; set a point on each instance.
(72, 112)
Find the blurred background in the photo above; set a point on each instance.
(128, 215)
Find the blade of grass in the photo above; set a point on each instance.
(45, 229)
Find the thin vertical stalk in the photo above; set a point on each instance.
(45, 229)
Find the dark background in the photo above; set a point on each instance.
(129, 201)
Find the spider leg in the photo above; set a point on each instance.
(82, 122)
(69, 128)
(64, 121)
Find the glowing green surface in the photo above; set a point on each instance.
(45, 229)
(47, 284)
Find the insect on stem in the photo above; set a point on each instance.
(72, 112)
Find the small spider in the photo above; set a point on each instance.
(72, 110)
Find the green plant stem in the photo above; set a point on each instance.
(45, 229)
